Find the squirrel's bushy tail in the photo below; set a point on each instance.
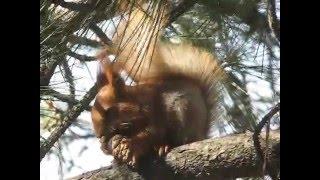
(142, 55)
(196, 64)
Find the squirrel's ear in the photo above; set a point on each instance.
(106, 74)
(113, 76)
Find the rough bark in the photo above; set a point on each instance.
(217, 158)
(273, 22)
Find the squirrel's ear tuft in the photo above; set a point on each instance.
(110, 75)
(106, 76)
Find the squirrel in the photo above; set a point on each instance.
(174, 98)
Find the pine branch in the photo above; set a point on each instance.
(70, 117)
(82, 58)
(73, 39)
(62, 97)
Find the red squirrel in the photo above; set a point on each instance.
(172, 103)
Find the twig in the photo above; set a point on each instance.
(102, 36)
(74, 6)
(70, 79)
(47, 70)
(273, 22)
(62, 97)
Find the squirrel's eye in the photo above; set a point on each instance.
(119, 81)
(125, 125)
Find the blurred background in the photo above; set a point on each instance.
(244, 35)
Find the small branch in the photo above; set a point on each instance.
(102, 36)
(217, 158)
(56, 94)
(74, 6)
(258, 129)
(73, 39)
(69, 78)
(82, 58)
(71, 115)
(273, 22)
(62, 97)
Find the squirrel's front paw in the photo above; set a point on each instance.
(162, 150)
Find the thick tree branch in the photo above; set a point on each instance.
(216, 158)
(71, 115)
